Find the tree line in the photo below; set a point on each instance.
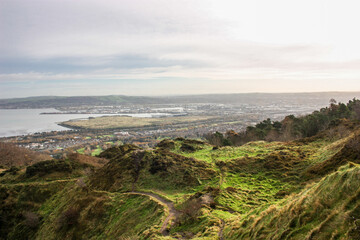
(291, 127)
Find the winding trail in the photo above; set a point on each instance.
(173, 213)
(41, 182)
(221, 232)
(222, 176)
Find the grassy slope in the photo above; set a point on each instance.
(258, 191)
(328, 209)
(101, 215)
(249, 178)
(18, 199)
(258, 175)
(66, 209)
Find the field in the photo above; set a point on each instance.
(119, 122)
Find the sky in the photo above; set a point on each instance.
(175, 47)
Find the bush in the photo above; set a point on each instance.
(166, 144)
(187, 148)
(191, 208)
(13, 170)
(69, 217)
(45, 167)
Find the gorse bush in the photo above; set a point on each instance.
(49, 166)
(69, 217)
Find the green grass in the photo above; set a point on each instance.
(97, 151)
(227, 153)
(125, 212)
(243, 192)
(81, 151)
(94, 152)
(173, 193)
(17, 199)
(102, 215)
(328, 209)
(322, 149)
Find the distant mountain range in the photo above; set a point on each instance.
(238, 98)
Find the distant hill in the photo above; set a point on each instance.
(56, 101)
(238, 98)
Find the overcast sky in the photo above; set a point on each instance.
(165, 47)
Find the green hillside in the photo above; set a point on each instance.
(307, 188)
(328, 209)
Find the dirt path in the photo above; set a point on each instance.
(41, 183)
(220, 234)
(173, 213)
(222, 176)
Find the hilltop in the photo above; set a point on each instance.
(236, 98)
(302, 188)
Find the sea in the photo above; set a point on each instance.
(16, 122)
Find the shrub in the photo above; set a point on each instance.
(191, 208)
(354, 144)
(13, 170)
(49, 166)
(69, 217)
(187, 148)
(166, 144)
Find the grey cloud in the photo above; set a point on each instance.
(87, 65)
(24, 23)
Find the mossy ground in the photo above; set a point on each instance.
(328, 209)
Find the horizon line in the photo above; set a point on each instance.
(180, 95)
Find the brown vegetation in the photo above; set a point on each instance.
(12, 155)
(93, 161)
(118, 122)
(69, 217)
(31, 219)
(166, 144)
(350, 152)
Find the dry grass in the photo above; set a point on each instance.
(12, 155)
(93, 161)
(130, 122)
